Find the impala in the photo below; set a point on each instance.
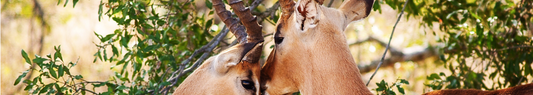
(235, 71)
(311, 54)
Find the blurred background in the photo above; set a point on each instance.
(136, 44)
(36, 26)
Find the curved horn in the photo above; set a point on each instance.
(253, 29)
(249, 21)
(231, 23)
(287, 8)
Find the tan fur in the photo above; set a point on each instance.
(517, 90)
(219, 75)
(314, 57)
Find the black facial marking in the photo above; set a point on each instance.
(277, 38)
(248, 84)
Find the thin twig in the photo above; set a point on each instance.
(87, 90)
(162, 79)
(380, 42)
(330, 2)
(514, 47)
(387, 48)
(38, 14)
(206, 50)
(84, 81)
(255, 4)
(269, 12)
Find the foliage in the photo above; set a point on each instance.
(52, 67)
(151, 39)
(159, 39)
(145, 49)
(385, 89)
(153, 51)
(491, 34)
(156, 40)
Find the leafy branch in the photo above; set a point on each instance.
(385, 89)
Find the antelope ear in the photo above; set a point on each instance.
(356, 9)
(227, 59)
(307, 14)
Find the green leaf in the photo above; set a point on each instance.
(58, 53)
(209, 4)
(404, 81)
(165, 83)
(382, 84)
(475, 15)
(390, 92)
(100, 6)
(433, 77)
(45, 88)
(35, 91)
(38, 59)
(107, 37)
(106, 93)
(400, 89)
(119, 20)
(60, 71)
(21, 76)
(379, 89)
(66, 2)
(57, 87)
(443, 58)
(66, 70)
(115, 50)
(25, 55)
(100, 84)
(52, 72)
(74, 3)
(30, 85)
(442, 74)
(121, 87)
(78, 77)
(161, 22)
(451, 14)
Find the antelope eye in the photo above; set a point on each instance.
(248, 84)
(278, 40)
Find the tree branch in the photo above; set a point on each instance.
(206, 50)
(397, 55)
(86, 90)
(255, 4)
(388, 44)
(418, 55)
(371, 38)
(269, 12)
(330, 2)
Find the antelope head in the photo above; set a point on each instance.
(311, 54)
(235, 71)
